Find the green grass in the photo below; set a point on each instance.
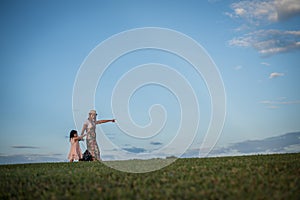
(244, 177)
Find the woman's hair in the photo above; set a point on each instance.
(72, 133)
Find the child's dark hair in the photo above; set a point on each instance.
(72, 133)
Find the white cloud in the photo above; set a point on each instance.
(279, 102)
(265, 11)
(269, 42)
(254, 12)
(275, 74)
(240, 11)
(265, 64)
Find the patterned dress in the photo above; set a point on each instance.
(91, 141)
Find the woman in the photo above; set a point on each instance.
(89, 127)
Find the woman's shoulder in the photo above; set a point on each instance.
(86, 122)
(89, 123)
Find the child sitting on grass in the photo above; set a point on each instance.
(75, 151)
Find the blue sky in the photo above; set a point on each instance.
(254, 44)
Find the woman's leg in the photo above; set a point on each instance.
(97, 152)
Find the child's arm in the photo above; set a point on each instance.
(105, 121)
(79, 137)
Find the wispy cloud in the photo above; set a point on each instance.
(269, 42)
(265, 64)
(24, 147)
(260, 12)
(275, 75)
(256, 13)
(279, 102)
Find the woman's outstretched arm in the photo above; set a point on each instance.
(105, 121)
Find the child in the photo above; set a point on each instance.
(75, 152)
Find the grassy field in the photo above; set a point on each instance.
(243, 177)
